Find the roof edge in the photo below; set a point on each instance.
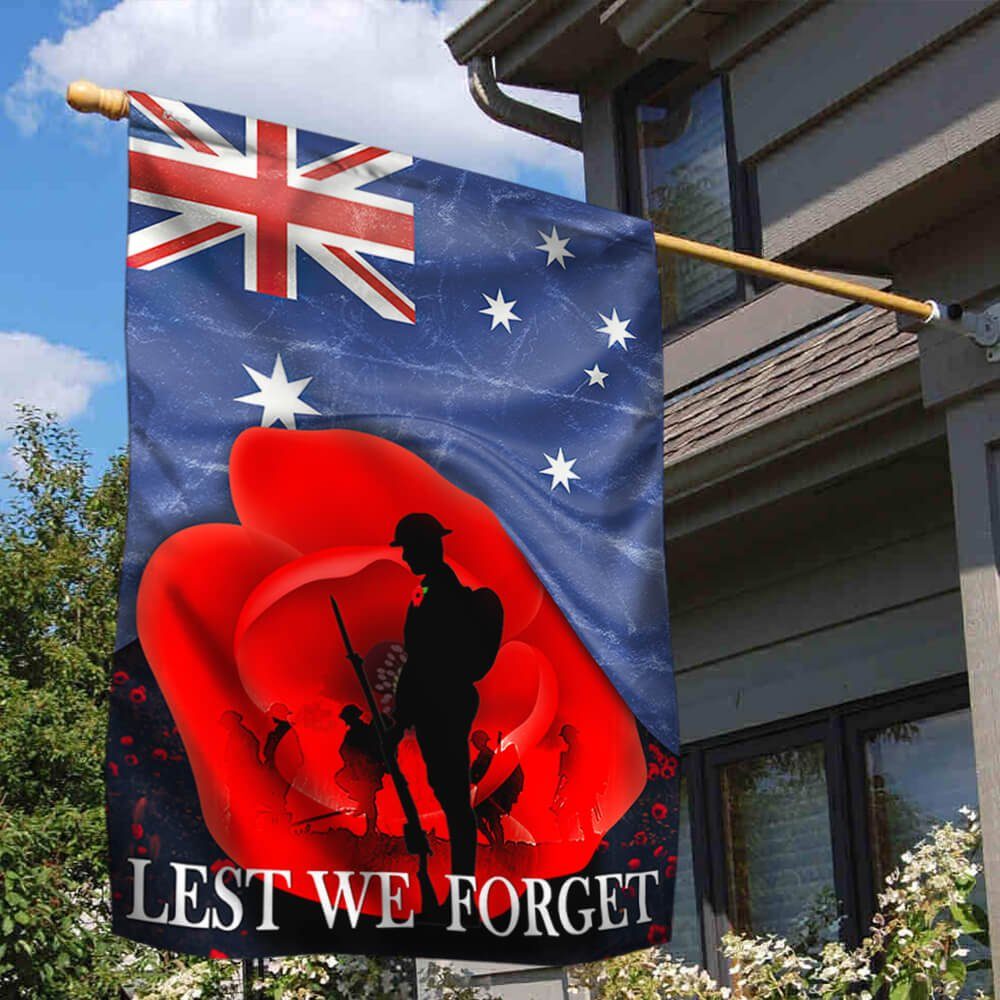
(482, 33)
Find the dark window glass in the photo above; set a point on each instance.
(684, 185)
(920, 774)
(685, 942)
(779, 855)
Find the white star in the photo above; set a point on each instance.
(616, 329)
(278, 396)
(555, 248)
(499, 311)
(597, 377)
(560, 470)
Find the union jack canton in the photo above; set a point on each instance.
(279, 206)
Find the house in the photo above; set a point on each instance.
(832, 471)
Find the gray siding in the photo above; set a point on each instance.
(915, 124)
(827, 596)
(833, 54)
(874, 655)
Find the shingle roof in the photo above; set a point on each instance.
(854, 348)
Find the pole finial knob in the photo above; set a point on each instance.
(87, 97)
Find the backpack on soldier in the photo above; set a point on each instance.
(483, 627)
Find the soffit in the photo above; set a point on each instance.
(568, 45)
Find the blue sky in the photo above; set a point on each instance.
(63, 178)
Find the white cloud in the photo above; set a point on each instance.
(371, 70)
(50, 376)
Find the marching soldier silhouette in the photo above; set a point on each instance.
(451, 635)
(364, 770)
(491, 811)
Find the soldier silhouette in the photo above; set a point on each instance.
(491, 811)
(279, 713)
(573, 803)
(364, 770)
(451, 636)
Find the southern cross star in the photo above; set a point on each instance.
(597, 377)
(560, 469)
(555, 248)
(616, 329)
(499, 311)
(278, 397)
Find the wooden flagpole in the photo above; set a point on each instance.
(87, 97)
(925, 311)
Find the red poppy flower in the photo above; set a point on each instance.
(138, 694)
(633, 864)
(236, 623)
(137, 831)
(119, 677)
(159, 753)
(217, 955)
(659, 811)
(131, 759)
(126, 741)
(657, 934)
(640, 837)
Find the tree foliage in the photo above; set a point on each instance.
(61, 541)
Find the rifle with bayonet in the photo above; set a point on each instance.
(413, 833)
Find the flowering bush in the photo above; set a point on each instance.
(337, 977)
(914, 947)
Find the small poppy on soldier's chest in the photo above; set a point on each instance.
(418, 596)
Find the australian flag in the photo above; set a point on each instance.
(394, 670)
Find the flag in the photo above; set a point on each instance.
(393, 670)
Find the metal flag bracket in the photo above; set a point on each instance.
(982, 328)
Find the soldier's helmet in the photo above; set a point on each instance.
(480, 739)
(350, 713)
(416, 528)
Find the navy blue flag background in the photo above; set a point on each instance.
(324, 340)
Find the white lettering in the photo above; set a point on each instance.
(393, 897)
(228, 898)
(138, 911)
(644, 917)
(537, 907)
(484, 905)
(587, 914)
(460, 902)
(344, 892)
(268, 875)
(608, 904)
(184, 894)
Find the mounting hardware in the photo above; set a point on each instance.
(983, 328)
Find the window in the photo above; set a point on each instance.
(794, 826)
(917, 774)
(683, 177)
(776, 828)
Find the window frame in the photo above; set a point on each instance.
(681, 79)
(841, 729)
